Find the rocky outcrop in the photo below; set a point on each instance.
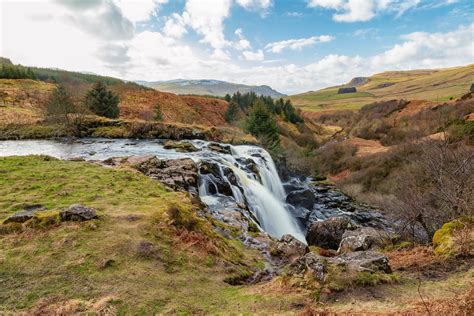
(78, 212)
(25, 215)
(183, 146)
(302, 198)
(328, 234)
(220, 148)
(289, 247)
(312, 263)
(363, 238)
(178, 174)
(363, 261)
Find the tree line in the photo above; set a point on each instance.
(8, 71)
(260, 114)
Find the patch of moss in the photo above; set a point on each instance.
(444, 238)
(373, 279)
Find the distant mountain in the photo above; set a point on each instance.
(209, 87)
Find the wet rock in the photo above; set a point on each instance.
(289, 247)
(303, 198)
(182, 146)
(249, 165)
(78, 212)
(363, 238)
(214, 177)
(179, 174)
(310, 262)
(328, 233)
(220, 148)
(363, 261)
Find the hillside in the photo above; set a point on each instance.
(433, 85)
(209, 87)
(24, 99)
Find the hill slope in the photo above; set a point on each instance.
(432, 85)
(209, 87)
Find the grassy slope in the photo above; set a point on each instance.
(64, 266)
(432, 85)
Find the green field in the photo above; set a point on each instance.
(437, 85)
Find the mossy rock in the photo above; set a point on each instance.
(444, 239)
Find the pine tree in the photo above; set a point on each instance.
(158, 113)
(231, 112)
(261, 124)
(102, 101)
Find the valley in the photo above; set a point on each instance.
(198, 204)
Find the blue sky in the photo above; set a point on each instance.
(293, 46)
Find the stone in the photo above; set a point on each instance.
(78, 212)
(328, 233)
(220, 148)
(363, 261)
(347, 90)
(178, 174)
(19, 217)
(312, 263)
(289, 247)
(363, 238)
(25, 215)
(303, 198)
(182, 146)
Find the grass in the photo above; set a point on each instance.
(98, 265)
(432, 85)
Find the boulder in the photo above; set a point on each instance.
(312, 263)
(179, 174)
(363, 261)
(289, 247)
(185, 147)
(19, 217)
(328, 234)
(78, 212)
(303, 198)
(363, 238)
(25, 215)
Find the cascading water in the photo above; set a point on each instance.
(239, 176)
(264, 198)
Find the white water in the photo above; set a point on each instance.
(265, 199)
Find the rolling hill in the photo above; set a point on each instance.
(436, 85)
(209, 87)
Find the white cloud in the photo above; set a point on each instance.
(363, 10)
(46, 34)
(207, 17)
(175, 26)
(297, 44)
(138, 10)
(253, 56)
(255, 4)
(242, 43)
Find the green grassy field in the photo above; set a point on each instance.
(433, 85)
(99, 266)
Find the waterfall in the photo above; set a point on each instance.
(261, 191)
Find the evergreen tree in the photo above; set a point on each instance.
(102, 101)
(227, 97)
(231, 112)
(158, 113)
(261, 124)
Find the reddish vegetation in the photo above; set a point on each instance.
(140, 104)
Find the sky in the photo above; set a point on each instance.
(291, 45)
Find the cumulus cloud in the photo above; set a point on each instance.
(297, 44)
(175, 26)
(362, 10)
(254, 56)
